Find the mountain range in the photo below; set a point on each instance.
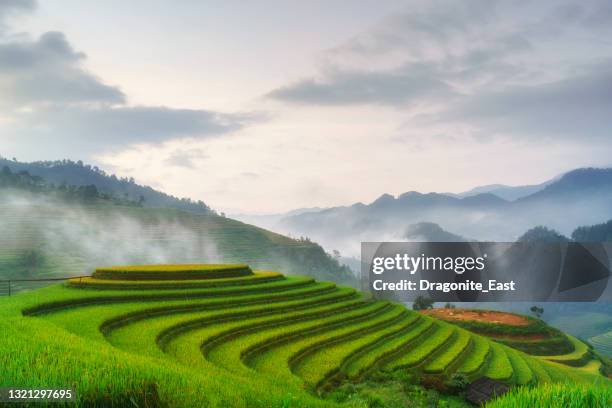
(579, 197)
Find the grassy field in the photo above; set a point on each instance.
(555, 396)
(245, 340)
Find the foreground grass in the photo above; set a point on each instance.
(264, 344)
(556, 396)
(37, 353)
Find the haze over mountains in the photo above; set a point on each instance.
(69, 172)
(495, 213)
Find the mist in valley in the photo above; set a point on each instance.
(44, 235)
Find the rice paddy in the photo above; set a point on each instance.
(223, 336)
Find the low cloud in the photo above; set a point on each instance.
(46, 71)
(387, 88)
(523, 69)
(576, 106)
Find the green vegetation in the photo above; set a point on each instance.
(171, 272)
(477, 356)
(422, 303)
(555, 396)
(23, 180)
(45, 237)
(451, 353)
(536, 337)
(576, 357)
(499, 367)
(247, 340)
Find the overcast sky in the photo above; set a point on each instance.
(274, 105)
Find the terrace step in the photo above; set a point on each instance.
(233, 352)
(499, 367)
(441, 334)
(76, 298)
(119, 284)
(360, 365)
(522, 372)
(451, 353)
(481, 347)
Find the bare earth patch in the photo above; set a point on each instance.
(486, 316)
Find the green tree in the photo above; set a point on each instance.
(537, 311)
(422, 303)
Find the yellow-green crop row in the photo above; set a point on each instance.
(239, 343)
(417, 355)
(580, 351)
(240, 338)
(270, 355)
(451, 353)
(499, 367)
(74, 297)
(322, 357)
(401, 344)
(522, 372)
(477, 357)
(115, 284)
(172, 272)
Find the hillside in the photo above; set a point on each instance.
(67, 172)
(218, 336)
(46, 236)
(430, 232)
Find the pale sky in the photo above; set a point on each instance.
(274, 105)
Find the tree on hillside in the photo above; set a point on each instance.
(422, 303)
(537, 311)
(594, 233)
(542, 234)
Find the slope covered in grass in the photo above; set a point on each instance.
(44, 236)
(556, 396)
(237, 341)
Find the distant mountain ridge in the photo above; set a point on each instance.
(579, 197)
(69, 172)
(508, 193)
(431, 232)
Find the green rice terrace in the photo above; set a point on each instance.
(227, 336)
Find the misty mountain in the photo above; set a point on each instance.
(581, 184)
(271, 220)
(579, 197)
(70, 173)
(542, 234)
(430, 232)
(508, 193)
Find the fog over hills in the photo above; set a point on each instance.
(69, 172)
(579, 197)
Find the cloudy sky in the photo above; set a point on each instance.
(274, 105)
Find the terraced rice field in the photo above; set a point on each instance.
(228, 336)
